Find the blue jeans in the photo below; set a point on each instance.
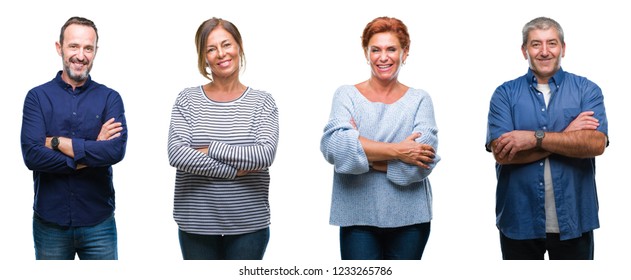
(374, 243)
(54, 242)
(580, 248)
(249, 246)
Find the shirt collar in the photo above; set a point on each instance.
(65, 85)
(554, 81)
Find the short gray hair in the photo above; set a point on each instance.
(541, 23)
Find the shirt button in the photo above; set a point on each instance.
(541, 164)
(543, 109)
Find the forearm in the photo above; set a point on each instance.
(523, 157)
(251, 157)
(576, 144)
(378, 151)
(100, 153)
(196, 162)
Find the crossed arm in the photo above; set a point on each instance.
(408, 151)
(579, 139)
(109, 130)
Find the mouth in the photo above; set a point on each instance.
(384, 66)
(224, 63)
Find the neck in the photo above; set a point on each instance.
(224, 90)
(385, 87)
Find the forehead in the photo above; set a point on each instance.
(218, 35)
(77, 33)
(384, 39)
(543, 34)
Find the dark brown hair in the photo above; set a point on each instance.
(80, 21)
(202, 35)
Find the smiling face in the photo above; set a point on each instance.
(77, 51)
(544, 51)
(222, 54)
(385, 56)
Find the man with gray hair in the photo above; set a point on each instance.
(545, 129)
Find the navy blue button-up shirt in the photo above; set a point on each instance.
(64, 195)
(518, 105)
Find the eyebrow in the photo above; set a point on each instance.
(220, 43)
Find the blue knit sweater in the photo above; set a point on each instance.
(361, 195)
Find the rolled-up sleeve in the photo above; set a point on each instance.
(340, 143)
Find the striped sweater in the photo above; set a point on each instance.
(362, 196)
(242, 134)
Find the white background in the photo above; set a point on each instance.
(301, 52)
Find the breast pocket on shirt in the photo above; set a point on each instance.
(91, 125)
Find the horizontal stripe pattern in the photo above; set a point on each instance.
(240, 135)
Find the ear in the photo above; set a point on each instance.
(524, 51)
(563, 50)
(58, 47)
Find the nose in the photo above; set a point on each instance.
(545, 50)
(221, 52)
(80, 54)
(383, 56)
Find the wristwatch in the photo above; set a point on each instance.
(539, 134)
(55, 143)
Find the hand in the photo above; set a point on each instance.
(584, 121)
(110, 130)
(245, 172)
(380, 165)
(409, 151)
(353, 123)
(510, 143)
(203, 150)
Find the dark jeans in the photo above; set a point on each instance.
(580, 248)
(249, 246)
(54, 242)
(374, 243)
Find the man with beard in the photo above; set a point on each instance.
(73, 131)
(545, 129)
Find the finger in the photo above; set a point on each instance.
(413, 136)
(114, 136)
(108, 122)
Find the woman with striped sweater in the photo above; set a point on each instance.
(222, 140)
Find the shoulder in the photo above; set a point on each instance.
(260, 94)
(346, 92)
(580, 81)
(346, 89)
(187, 95)
(103, 89)
(418, 93)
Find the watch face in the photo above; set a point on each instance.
(54, 142)
(539, 134)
